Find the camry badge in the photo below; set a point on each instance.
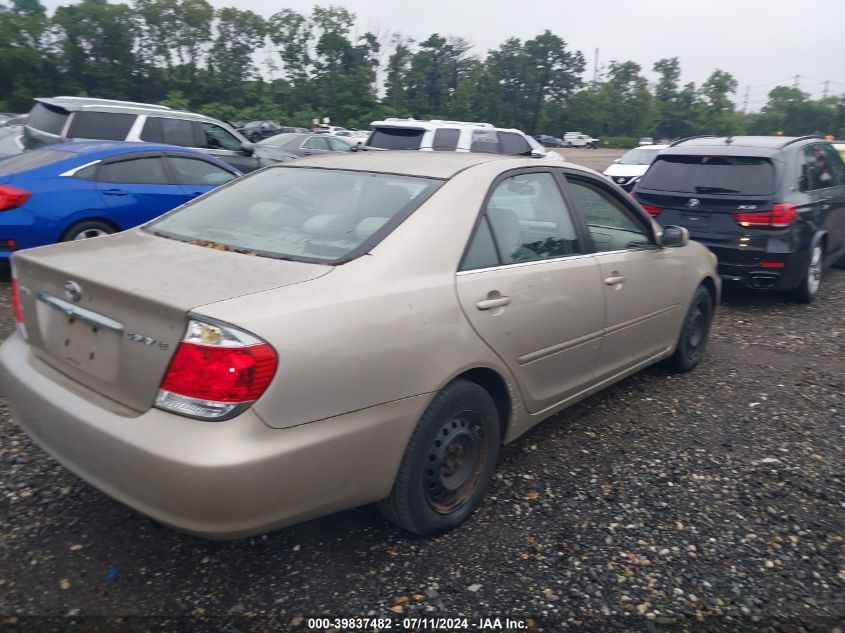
(72, 291)
(693, 203)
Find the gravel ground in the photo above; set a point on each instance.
(708, 501)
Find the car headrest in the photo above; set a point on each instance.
(368, 226)
(329, 225)
(388, 200)
(507, 229)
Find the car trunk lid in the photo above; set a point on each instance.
(109, 312)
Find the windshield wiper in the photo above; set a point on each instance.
(714, 190)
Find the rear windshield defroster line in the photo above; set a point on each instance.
(307, 214)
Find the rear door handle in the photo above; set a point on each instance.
(114, 192)
(489, 304)
(615, 279)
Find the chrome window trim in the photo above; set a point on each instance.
(73, 171)
(564, 258)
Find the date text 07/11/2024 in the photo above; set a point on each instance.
(418, 624)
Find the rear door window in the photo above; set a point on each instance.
(195, 171)
(396, 138)
(110, 126)
(148, 170)
(746, 175)
(47, 118)
(171, 131)
(446, 140)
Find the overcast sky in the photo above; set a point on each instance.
(763, 43)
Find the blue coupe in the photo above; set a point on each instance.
(74, 191)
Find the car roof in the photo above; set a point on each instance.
(435, 124)
(653, 146)
(116, 148)
(442, 165)
(75, 104)
(738, 145)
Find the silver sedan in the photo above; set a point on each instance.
(353, 328)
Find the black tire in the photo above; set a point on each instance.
(448, 463)
(692, 341)
(840, 263)
(808, 289)
(87, 228)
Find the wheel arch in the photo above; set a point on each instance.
(83, 217)
(497, 387)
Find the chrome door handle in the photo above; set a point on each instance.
(489, 304)
(616, 279)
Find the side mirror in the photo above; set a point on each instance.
(674, 237)
(248, 148)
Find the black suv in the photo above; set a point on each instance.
(772, 208)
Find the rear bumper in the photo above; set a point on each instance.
(213, 479)
(771, 277)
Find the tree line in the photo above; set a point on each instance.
(233, 64)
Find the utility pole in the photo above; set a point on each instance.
(745, 104)
(596, 68)
(795, 83)
(826, 88)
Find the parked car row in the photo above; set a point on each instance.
(499, 284)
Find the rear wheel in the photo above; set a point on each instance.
(87, 229)
(840, 263)
(693, 339)
(808, 289)
(447, 465)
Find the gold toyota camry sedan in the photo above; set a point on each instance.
(341, 330)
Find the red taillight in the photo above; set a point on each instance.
(17, 310)
(221, 374)
(12, 197)
(772, 265)
(781, 216)
(651, 209)
(216, 369)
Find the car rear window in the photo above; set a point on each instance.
(305, 214)
(31, 160)
(396, 138)
(109, 126)
(747, 175)
(47, 118)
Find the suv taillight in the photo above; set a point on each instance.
(216, 372)
(651, 209)
(12, 197)
(782, 215)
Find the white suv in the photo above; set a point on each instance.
(453, 136)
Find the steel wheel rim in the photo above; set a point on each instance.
(696, 327)
(455, 460)
(89, 233)
(814, 274)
